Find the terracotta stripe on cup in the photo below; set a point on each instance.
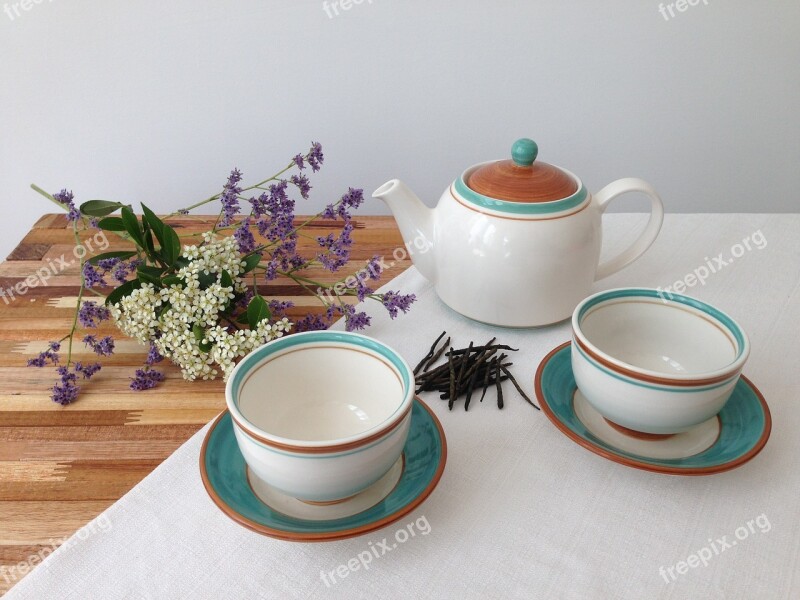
(652, 378)
(326, 449)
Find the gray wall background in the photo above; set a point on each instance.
(157, 101)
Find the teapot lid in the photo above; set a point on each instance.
(522, 178)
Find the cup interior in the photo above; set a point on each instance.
(664, 336)
(321, 389)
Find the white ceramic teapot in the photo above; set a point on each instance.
(515, 242)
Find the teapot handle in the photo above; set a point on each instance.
(648, 236)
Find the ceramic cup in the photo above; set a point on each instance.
(321, 415)
(655, 362)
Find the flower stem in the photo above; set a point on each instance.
(48, 196)
(80, 295)
(217, 196)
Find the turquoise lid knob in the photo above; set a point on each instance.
(524, 152)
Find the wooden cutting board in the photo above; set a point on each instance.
(61, 466)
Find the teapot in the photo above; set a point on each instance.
(515, 242)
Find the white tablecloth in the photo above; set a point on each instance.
(521, 511)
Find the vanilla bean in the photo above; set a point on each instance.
(519, 389)
(452, 382)
(429, 354)
(486, 377)
(438, 370)
(438, 355)
(499, 388)
(480, 359)
(464, 361)
(470, 386)
(479, 348)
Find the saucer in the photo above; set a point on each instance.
(257, 506)
(724, 442)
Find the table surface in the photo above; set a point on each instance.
(521, 511)
(62, 466)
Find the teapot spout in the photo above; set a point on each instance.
(416, 223)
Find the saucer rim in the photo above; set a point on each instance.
(322, 536)
(648, 466)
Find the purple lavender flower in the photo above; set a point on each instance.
(302, 183)
(329, 212)
(91, 277)
(102, 347)
(337, 250)
(395, 302)
(299, 160)
(350, 201)
(66, 198)
(362, 290)
(123, 269)
(87, 370)
(353, 320)
(92, 314)
(278, 220)
(271, 269)
(48, 356)
(65, 392)
(374, 267)
(106, 264)
(310, 323)
(243, 235)
(118, 268)
(315, 156)
(94, 223)
(259, 204)
(146, 379)
(183, 211)
(230, 198)
(153, 355)
(278, 308)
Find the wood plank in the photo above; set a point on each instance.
(81, 480)
(28, 522)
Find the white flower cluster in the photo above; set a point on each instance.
(143, 315)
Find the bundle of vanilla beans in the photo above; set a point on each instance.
(466, 371)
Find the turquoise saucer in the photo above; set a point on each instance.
(225, 478)
(739, 431)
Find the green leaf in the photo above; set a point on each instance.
(242, 318)
(170, 245)
(206, 279)
(156, 224)
(172, 280)
(124, 290)
(132, 226)
(199, 335)
(160, 310)
(148, 241)
(111, 224)
(122, 255)
(148, 274)
(225, 279)
(166, 236)
(257, 311)
(251, 262)
(99, 208)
